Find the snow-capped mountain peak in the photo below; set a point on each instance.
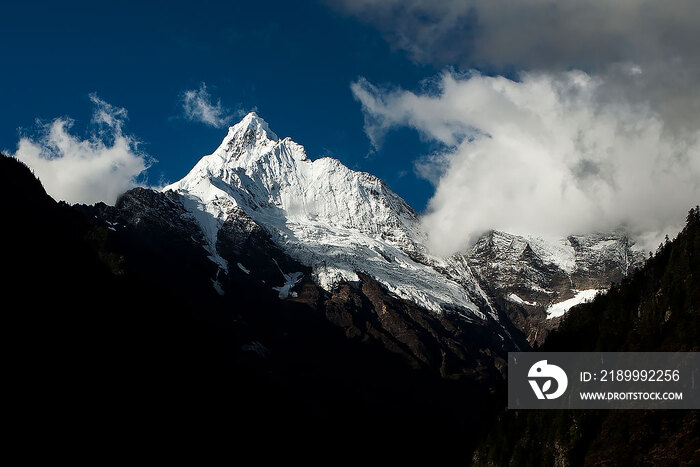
(251, 126)
(342, 223)
(327, 216)
(246, 142)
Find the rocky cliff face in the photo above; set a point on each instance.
(535, 281)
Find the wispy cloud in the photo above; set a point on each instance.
(198, 106)
(85, 170)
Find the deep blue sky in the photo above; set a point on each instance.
(293, 61)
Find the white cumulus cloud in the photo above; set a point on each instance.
(546, 154)
(97, 168)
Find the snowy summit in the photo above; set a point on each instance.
(338, 221)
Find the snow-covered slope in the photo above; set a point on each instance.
(341, 222)
(583, 296)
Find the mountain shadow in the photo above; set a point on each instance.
(117, 337)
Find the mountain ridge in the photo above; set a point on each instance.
(340, 222)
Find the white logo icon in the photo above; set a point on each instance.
(546, 373)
